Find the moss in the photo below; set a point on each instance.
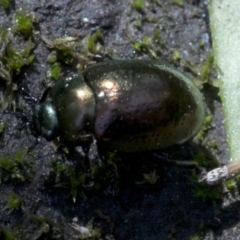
(54, 71)
(176, 56)
(205, 192)
(1, 127)
(69, 51)
(206, 126)
(12, 164)
(137, 46)
(172, 233)
(64, 47)
(138, 23)
(178, 2)
(147, 41)
(151, 177)
(214, 144)
(201, 44)
(145, 45)
(98, 35)
(138, 4)
(13, 202)
(12, 60)
(91, 43)
(8, 234)
(23, 24)
(204, 161)
(232, 183)
(107, 173)
(94, 42)
(157, 36)
(16, 59)
(194, 238)
(69, 178)
(76, 184)
(86, 232)
(52, 58)
(5, 3)
(47, 228)
(206, 68)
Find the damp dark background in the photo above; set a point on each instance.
(176, 206)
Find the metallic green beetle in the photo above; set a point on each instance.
(126, 105)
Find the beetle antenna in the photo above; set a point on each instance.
(27, 96)
(26, 92)
(45, 95)
(89, 178)
(113, 188)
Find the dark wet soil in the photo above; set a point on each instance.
(175, 206)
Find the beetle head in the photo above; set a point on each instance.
(44, 121)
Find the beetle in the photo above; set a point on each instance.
(123, 105)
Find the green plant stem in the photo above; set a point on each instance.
(225, 29)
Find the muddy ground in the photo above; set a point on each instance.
(36, 200)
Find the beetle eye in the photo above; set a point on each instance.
(49, 135)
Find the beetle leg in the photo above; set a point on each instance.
(93, 153)
(88, 171)
(113, 188)
(26, 94)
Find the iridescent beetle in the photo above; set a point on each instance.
(125, 105)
